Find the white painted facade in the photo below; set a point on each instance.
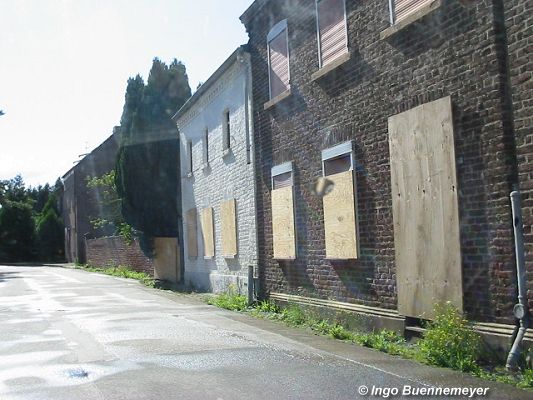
(228, 174)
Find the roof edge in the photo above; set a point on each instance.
(210, 81)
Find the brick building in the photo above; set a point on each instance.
(217, 179)
(387, 142)
(81, 204)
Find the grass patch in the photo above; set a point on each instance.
(121, 271)
(231, 300)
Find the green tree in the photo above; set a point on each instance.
(17, 231)
(147, 170)
(50, 231)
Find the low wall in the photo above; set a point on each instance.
(113, 251)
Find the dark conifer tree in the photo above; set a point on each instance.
(147, 170)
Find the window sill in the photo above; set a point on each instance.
(209, 257)
(233, 256)
(326, 69)
(205, 167)
(226, 152)
(277, 99)
(410, 19)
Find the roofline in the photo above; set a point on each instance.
(210, 82)
(252, 10)
(116, 133)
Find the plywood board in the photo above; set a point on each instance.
(283, 223)
(425, 209)
(166, 261)
(192, 233)
(339, 218)
(206, 221)
(229, 228)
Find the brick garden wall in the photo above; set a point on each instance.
(450, 52)
(114, 251)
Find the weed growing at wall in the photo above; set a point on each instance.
(231, 300)
(450, 341)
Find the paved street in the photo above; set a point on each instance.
(71, 334)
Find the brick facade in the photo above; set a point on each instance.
(455, 51)
(82, 204)
(113, 251)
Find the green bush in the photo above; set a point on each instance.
(450, 341)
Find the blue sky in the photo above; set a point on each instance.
(64, 66)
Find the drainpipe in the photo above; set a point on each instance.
(520, 310)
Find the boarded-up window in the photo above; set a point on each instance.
(331, 30)
(340, 222)
(229, 228)
(206, 221)
(283, 232)
(278, 59)
(425, 209)
(284, 240)
(404, 8)
(192, 238)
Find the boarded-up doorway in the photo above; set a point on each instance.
(425, 211)
(167, 260)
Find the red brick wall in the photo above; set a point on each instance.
(456, 52)
(113, 251)
(519, 26)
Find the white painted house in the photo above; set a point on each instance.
(217, 179)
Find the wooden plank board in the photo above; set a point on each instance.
(425, 209)
(283, 223)
(192, 233)
(229, 228)
(166, 260)
(339, 218)
(206, 222)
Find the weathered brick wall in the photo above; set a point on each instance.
(83, 204)
(451, 52)
(519, 26)
(113, 251)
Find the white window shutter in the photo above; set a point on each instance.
(403, 8)
(332, 30)
(279, 64)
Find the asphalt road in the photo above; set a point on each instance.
(71, 334)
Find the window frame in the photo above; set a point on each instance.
(189, 156)
(276, 30)
(205, 153)
(226, 130)
(337, 151)
(319, 41)
(280, 170)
